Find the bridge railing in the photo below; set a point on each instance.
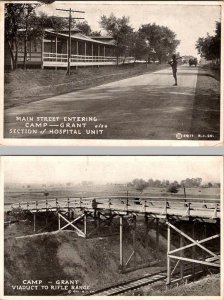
(157, 205)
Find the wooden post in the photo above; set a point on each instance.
(193, 251)
(181, 254)
(34, 222)
(98, 221)
(59, 222)
(92, 52)
(104, 52)
(77, 46)
(134, 240)
(121, 243)
(85, 224)
(168, 258)
(85, 51)
(147, 231)
(46, 218)
(157, 232)
(69, 211)
(203, 252)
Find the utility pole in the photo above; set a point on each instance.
(70, 39)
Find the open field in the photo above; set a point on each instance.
(24, 194)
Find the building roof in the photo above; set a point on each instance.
(82, 37)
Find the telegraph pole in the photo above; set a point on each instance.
(70, 39)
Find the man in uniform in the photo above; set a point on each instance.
(173, 64)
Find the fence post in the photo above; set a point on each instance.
(168, 258)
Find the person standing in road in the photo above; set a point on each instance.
(173, 64)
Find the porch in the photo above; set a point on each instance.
(61, 60)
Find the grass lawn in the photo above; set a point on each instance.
(26, 86)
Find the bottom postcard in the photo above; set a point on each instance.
(112, 226)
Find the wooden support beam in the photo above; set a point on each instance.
(193, 251)
(34, 222)
(134, 240)
(195, 261)
(71, 224)
(192, 240)
(195, 243)
(182, 254)
(168, 256)
(121, 243)
(147, 231)
(85, 224)
(59, 222)
(157, 232)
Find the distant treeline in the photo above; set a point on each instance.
(141, 184)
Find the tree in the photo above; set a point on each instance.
(209, 47)
(84, 27)
(139, 184)
(95, 33)
(120, 30)
(13, 21)
(28, 14)
(161, 40)
(172, 189)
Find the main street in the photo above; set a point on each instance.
(142, 107)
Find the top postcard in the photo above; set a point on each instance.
(111, 73)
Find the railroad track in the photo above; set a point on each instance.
(130, 285)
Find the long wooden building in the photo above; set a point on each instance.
(51, 50)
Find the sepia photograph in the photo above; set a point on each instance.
(112, 72)
(112, 226)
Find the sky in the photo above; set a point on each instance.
(109, 169)
(188, 21)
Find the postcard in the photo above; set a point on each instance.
(119, 73)
(81, 226)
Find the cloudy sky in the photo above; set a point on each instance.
(106, 169)
(188, 21)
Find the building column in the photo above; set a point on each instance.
(104, 52)
(67, 49)
(98, 51)
(92, 52)
(77, 45)
(85, 51)
(56, 49)
(42, 52)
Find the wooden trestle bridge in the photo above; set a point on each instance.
(78, 214)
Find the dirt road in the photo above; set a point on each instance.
(142, 107)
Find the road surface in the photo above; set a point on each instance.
(142, 107)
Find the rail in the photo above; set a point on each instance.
(189, 207)
(61, 57)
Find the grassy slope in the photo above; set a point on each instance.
(208, 286)
(26, 86)
(206, 110)
(63, 256)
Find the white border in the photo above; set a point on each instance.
(111, 142)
